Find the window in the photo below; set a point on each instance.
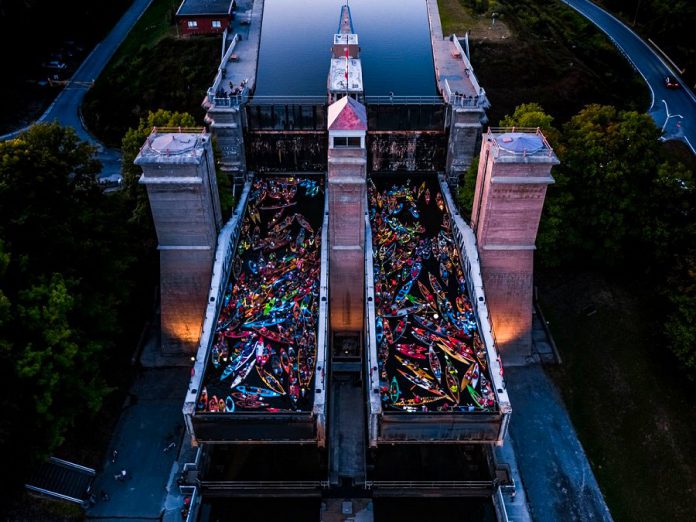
(192, 24)
(216, 24)
(346, 141)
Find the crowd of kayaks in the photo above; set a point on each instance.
(264, 350)
(431, 357)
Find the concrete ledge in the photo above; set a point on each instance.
(514, 180)
(170, 180)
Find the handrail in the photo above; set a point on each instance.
(262, 484)
(430, 484)
(374, 401)
(546, 150)
(404, 100)
(227, 243)
(466, 243)
(319, 408)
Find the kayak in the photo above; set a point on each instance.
(435, 365)
(255, 391)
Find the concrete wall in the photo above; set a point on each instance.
(226, 124)
(391, 151)
(508, 202)
(347, 196)
(185, 205)
(269, 151)
(463, 140)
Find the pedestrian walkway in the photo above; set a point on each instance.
(150, 422)
(555, 472)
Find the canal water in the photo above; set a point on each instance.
(394, 39)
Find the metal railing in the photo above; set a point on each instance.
(288, 100)
(250, 485)
(430, 484)
(404, 100)
(461, 100)
(545, 150)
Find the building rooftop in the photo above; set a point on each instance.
(347, 114)
(175, 145)
(337, 75)
(204, 7)
(346, 38)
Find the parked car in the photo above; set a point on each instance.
(671, 82)
(54, 65)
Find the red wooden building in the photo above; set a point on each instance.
(204, 16)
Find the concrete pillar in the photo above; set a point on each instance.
(514, 171)
(226, 124)
(179, 174)
(464, 136)
(347, 169)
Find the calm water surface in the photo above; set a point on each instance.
(296, 40)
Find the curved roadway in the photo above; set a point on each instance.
(65, 109)
(674, 110)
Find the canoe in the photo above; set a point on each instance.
(435, 285)
(411, 350)
(304, 223)
(387, 331)
(213, 404)
(255, 391)
(403, 292)
(417, 401)
(439, 202)
(451, 378)
(479, 402)
(243, 373)
(421, 383)
(239, 361)
(400, 329)
(471, 376)
(270, 381)
(251, 404)
(421, 335)
(394, 391)
(457, 356)
(414, 368)
(229, 404)
(435, 365)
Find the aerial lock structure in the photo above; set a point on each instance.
(179, 174)
(514, 171)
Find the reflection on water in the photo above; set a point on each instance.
(394, 40)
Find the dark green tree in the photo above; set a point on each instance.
(66, 285)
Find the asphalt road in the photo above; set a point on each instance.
(66, 107)
(674, 110)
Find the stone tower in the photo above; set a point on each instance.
(347, 168)
(514, 171)
(179, 174)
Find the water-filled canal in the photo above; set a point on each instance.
(394, 40)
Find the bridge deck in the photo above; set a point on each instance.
(452, 68)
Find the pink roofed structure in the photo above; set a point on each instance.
(347, 114)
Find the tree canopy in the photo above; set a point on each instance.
(66, 288)
(619, 205)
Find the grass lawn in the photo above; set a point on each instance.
(151, 70)
(633, 411)
(553, 57)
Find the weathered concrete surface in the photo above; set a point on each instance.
(347, 195)
(508, 200)
(391, 151)
(557, 476)
(225, 121)
(185, 205)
